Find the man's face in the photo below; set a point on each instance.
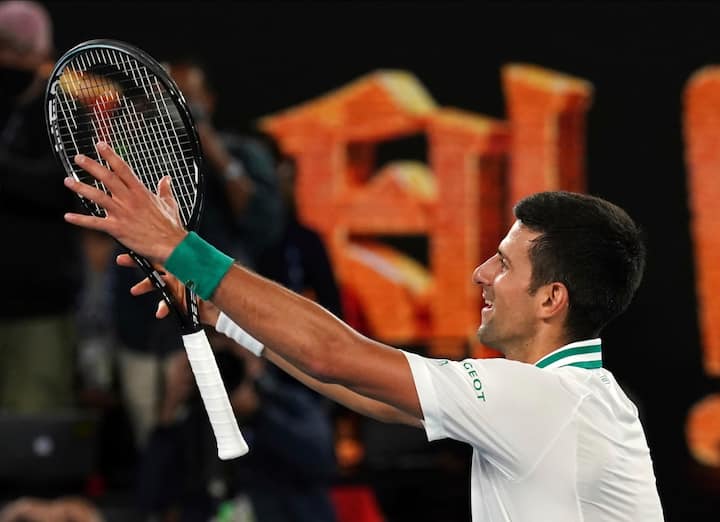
(191, 82)
(509, 318)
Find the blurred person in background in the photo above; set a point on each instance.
(299, 260)
(242, 212)
(64, 509)
(287, 474)
(37, 331)
(244, 204)
(55, 337)
(291, 464)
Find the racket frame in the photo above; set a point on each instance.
(230, 441)
(189, 321)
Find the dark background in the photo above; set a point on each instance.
(268, 56)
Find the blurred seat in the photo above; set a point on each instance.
(47, 453)
(356, 504)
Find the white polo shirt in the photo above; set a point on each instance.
(556, 441)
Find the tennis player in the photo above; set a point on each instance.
(554, 436)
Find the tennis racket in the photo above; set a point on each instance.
(105, 90)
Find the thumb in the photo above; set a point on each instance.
(165, 193)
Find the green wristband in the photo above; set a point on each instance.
(198, 264)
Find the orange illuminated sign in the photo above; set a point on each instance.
(702, 154)
(460, 201)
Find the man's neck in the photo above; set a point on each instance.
(532, 350)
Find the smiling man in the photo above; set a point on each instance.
(554, 436)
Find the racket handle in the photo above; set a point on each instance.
(230, 441)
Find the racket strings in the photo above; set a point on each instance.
(155, 167)
(152, 156)
(105, 128)
(110, 96)
(171, 143)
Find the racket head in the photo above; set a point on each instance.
(113, 91)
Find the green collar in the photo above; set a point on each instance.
(581, 354)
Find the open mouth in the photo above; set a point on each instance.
(488, 303)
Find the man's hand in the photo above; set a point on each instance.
(208, 312)
(140, 220)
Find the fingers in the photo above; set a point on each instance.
(117, 178)
(89, 192)
(146, 286)
(100, 173)
(125, 260)
(164, 190)
(84, 221)
(165, 193)
(143, 287)
(117, 164)
(162, 310)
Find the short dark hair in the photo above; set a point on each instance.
(589, 245)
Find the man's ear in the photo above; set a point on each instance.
(554, 299)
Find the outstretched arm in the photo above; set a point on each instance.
(315, 341)
(354, 401)
(298, 330)
(209, 314)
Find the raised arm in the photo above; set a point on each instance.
(354, 401)
(209, 314)
(298, 330)
(316, 342)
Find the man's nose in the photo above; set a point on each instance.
(483, 274)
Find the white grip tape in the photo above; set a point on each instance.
(230, 441)
(229, 328)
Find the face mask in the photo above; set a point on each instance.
(13, 82)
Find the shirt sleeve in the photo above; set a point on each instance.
(509, 411)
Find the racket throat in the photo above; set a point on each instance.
(190, 323)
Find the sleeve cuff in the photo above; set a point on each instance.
(432, 415)
(229, 328)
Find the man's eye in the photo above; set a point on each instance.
(503, 263)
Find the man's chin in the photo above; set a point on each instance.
(485, 337)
